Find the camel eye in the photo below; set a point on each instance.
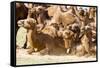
(22, 22)
(39, 9)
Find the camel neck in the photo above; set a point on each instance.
(29, 15)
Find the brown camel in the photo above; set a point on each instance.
(40, 41)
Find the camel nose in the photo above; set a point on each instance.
(67, 33)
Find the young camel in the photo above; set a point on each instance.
(68, 40)
(86, 42)
(29, 24)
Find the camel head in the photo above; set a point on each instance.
(55, 25)
(27, 23)
(81, 12)
(67, 34)
(40, 9)
(75, 27)
(31, 13)
(92, 11)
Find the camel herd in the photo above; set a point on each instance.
(55, 28)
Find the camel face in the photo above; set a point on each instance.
(67, 34)
(40, 9)
(27, 23)
(31, 11)
(20, 23)
(92, 12)
(81, 12)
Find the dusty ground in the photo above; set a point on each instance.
(23, 58)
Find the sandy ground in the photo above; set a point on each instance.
(23, 58)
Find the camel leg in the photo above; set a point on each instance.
(44, 51)
(81, 51)
(67, 50)
(87, 49)
(31, 50)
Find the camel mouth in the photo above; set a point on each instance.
(20, 25)
(66, 37)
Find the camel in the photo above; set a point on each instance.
(39, 13)
(67, 36)
(85, 16)
(86, 42)
(32, 14)
(39, 41)
(28, 24)
(51, 10)
(42, 15)
(92, 13)
(65, 18)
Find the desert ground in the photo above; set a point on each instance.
(23, 58)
